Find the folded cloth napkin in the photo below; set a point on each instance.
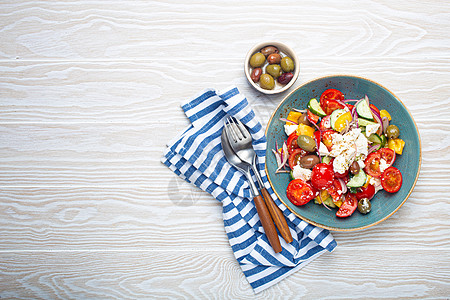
(196, 156)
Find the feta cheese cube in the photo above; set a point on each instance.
(289, 129)
(300, 173)
(371, 129)
(383, 165)
(323, 150)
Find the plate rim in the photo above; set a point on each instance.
(337, 228)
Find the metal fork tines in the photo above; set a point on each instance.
(240, 141)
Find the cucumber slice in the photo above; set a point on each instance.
(363, 110)
(291, 175)
(326, 159)
(357, 180)
(329, 202)
(335, 115)
(375, 138)
(315, 108)
(383, 140)
(364, 122)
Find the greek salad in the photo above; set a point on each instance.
(339, 152)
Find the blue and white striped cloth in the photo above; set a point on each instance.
(196, 156)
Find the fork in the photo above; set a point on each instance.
(241, 142)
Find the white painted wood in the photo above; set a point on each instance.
(90, 94)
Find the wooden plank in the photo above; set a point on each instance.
(158, 29)
(216, 274)
(129, 154)
(139, 92)
(179, 215)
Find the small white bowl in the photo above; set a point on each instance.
(286, 51)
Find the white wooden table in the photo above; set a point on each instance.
(90, 94)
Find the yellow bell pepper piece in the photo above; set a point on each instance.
(367, 181)
(303, 129)
(340, 122)
(396, 145)
(323, 195)
(384, 113)
(293, 116)
(338, 203)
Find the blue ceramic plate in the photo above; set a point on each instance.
(383, 204)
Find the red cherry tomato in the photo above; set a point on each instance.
(372, 163)
(326, 138)
(374, 108)
(295, 156)
(325, 123)
(312, 117)
(348, 207)
(391, 180)
(388, 155)
(350, 106)
(365, 192)
(317, 137)
(328, 100)
(322, 176)
(335, 190)
(299, 192)
(339, 175)
(292, 142)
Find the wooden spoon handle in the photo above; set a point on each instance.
(277, 216)
(267, 223)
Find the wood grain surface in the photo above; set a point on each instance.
(90, 94)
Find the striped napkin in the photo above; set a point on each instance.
(196, 156)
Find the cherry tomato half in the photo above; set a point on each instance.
(348, 207)
(372, 163)
(325, 123)
(328, 100)
(292, 142)
(365, 192)
(341, 175)
(374, 108)
(299, 192)
(388, 155)
(295, 156)
(350, 106)
(335, 190)
(312, 117)
(326, 138)
(391, 180)
(322, 176)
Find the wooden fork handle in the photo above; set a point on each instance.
(267, 223)
(277, 216)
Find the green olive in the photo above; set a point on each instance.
(306, 143)
(274, 70)
(364, 205)
(392, 132)
(266, 82)
(287, 64)
(257, 60)
(303, 119)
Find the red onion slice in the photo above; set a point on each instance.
(377, 118)
(323, 203)
(343, 185)
(287, 120)
(385, 121)
(373, 148)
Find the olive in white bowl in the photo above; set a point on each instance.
(271, 67)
